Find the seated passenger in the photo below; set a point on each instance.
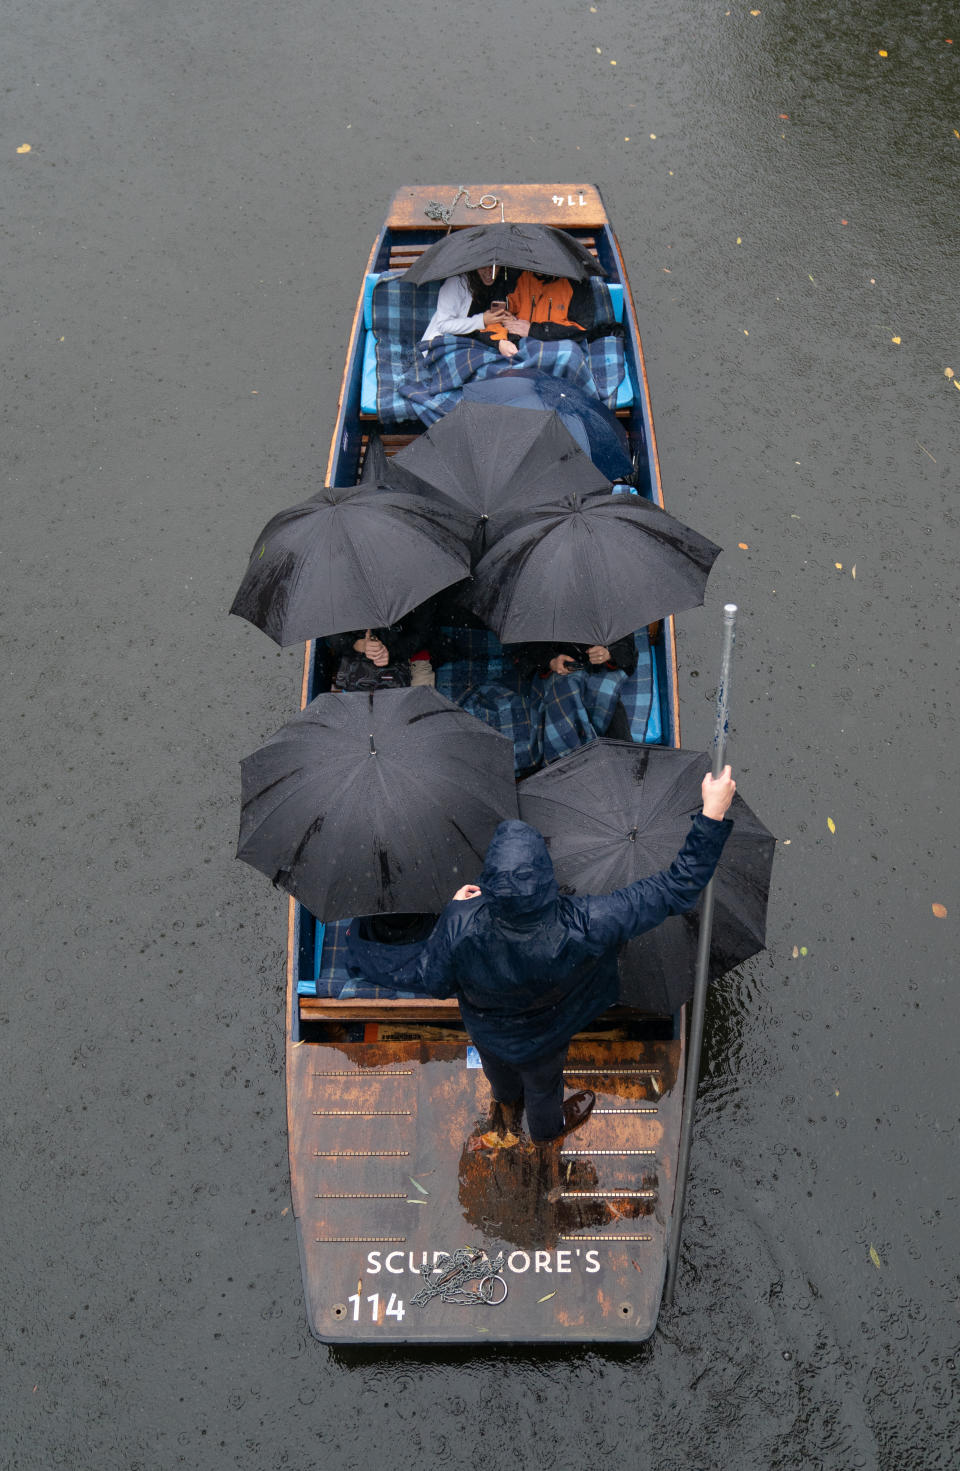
(547, 309)
(473, 305)
(385, 658)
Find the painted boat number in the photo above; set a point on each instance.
(559, 200)
(394, 1308)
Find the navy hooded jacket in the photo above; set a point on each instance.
(530, 966)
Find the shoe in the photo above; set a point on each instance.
(505, 1118)
(576, 1110)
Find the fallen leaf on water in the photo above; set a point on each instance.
(783, 116)
(853, 571)
(24, 147)
(875, 1257)
(284, 1211)
(653, 136)
(412, 1200)
(787, 842)
(940, 910)
(896, 340)
(63, 339)
(745, 332)
(744, 546)
(754, 12)
(795, 953)
(810, 278)
(739, 240)
(422, 1188)
(883, 53)
(947, 372)
(839, 566)
(547, 1296)
(956, 134)
(831, 824)
(613, 63)
(804, 950)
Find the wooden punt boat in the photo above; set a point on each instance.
(383, 1095)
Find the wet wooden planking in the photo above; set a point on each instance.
(579, 207)
(370, 1119)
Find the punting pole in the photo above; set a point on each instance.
(703, 969)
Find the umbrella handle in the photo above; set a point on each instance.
(721, 731)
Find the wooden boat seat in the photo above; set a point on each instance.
(322, 1008)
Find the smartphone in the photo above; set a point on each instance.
(497, 306)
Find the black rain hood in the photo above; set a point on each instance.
(518, 878)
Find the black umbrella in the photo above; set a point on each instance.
(596, 428)
(524, 247)
(375, 803)
(613, 812)
(497, 461)
(589, 571)
(356, 557)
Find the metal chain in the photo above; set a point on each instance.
(448, 1279)
(436, 211)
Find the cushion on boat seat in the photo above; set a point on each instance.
(368, 378)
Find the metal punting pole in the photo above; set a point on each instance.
(703, 969)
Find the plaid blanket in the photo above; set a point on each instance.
(545, 718)
(479, 658)
(409, 383)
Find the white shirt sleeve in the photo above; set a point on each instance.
(453, 304)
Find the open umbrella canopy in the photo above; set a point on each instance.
(596, 429)
(375, 803)
(496, 462)
(589, 571)
(351, 557)
(525, 247)
(614, 812)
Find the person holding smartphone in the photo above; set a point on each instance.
(474, 305)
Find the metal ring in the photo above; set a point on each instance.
(494, 201)
(485, 1290)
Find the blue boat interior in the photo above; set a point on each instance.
(320, 949)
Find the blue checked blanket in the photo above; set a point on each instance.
(545, 718)
(427, 384)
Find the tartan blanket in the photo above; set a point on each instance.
(432, 383)
(410, 384)
(546, 718)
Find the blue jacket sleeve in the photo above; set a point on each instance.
(615, 918)
(436, 972)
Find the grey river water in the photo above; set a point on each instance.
(183, 244)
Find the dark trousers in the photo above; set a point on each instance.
(539, 1084)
